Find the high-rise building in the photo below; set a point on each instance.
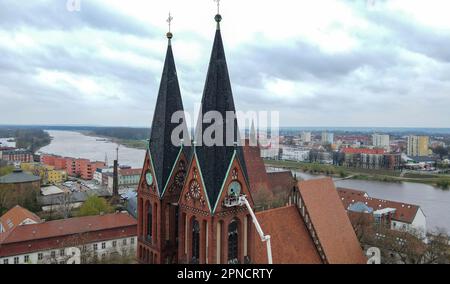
(417, 146)
(306, 136)
(381, 141)
(327, 138)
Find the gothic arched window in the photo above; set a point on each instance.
(149, 222)
(233, 242)
(195, 242)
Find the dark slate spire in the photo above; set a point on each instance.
(163, 152)
(217, 96)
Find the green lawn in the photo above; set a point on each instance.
(441, 181)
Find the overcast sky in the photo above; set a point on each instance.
(320, 63)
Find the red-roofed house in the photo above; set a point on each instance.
(53, 241)
(17, 216)
(397, 215)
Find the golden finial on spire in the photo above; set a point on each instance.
(169, 21)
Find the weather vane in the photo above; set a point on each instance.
(169, 21)
(218, 6)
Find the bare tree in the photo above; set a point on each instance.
(65, 204)
(410, 246)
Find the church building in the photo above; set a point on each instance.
(188, 209)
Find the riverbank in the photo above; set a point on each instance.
(441, 181)
(130, 143)
(27, 138)
(77, 145)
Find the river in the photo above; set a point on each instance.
(77, 145)
(434, 202)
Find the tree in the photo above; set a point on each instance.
(65, 204)
(95, 205)
(409, 246)
(6, 170)
(441, 151)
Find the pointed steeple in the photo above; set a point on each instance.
(217, 96)
(162, 150)
(253, 136)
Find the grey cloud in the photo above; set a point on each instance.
(410, 35)
(304, 61)
(53, 14)
(340, 95)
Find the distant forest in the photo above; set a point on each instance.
(124, 133)
(32, 139)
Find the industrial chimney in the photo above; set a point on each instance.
(116, 180)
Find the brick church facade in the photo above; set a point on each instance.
(186, 189)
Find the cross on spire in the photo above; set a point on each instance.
(169, 20)
(218, 6)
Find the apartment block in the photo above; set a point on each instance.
(417, 146)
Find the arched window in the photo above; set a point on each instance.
(148, 234)
(233, 242)
(176, 224)
(195, 242)
(141, 217)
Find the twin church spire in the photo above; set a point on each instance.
(214, 160)
(163, 152)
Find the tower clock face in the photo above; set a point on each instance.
(195, 190)
(234, 189)
(149, 178)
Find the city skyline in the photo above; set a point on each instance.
(365, 64)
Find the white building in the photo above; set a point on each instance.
(294, 154)
(126, 177)
(418, 223)
(402, 216)
(305, 137)
(269, 153)
(381, 141)
(98, 174)
(327, 138)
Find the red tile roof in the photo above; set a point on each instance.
(130, 172)
(15, 216)
(59, 228)
(256, 172)
(404, 212)
(330, 221)
(281, 180)
(362, 151)
(290, 239)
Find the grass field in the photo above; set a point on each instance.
(441, 181)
